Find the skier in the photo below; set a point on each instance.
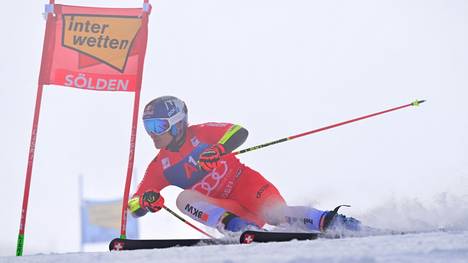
(220, 191)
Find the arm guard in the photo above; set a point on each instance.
(233, 138)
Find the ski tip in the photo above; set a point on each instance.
(117, 244)
(251, 236)
(417, 102)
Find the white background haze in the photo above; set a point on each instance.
(276, 67)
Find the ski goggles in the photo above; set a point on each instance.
(158, 126)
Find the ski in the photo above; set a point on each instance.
(251, 236)
(133, 244)
(246, 237)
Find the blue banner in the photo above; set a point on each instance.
(100, 221)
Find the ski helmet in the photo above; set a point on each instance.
(162, 114)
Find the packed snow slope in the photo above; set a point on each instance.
(451, 246)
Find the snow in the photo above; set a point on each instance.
(450, 246)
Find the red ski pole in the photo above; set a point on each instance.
(414, 103)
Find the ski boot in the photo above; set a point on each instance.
(232, 223)
(333, 221)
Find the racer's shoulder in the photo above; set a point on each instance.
(208, 125)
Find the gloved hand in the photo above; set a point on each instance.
(151, 201)
(209, 158)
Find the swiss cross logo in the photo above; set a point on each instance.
(248, 238)
(118, 246)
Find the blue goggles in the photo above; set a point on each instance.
(159, 126)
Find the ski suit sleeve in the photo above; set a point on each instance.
(153, 180)
(229, 135)
(234, 137)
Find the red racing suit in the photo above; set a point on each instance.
(230, 183)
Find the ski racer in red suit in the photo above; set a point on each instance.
(219, 191)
